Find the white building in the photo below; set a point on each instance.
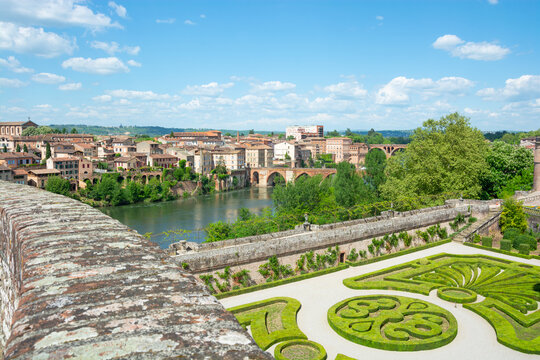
(282, 149)
(302, 132)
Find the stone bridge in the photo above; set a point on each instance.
(267, 176)
(389, 149)
(75, 283)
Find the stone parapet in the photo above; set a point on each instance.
(77, 284)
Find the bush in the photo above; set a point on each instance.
(513, 216)
(511, 233)
(487, 241)
(524, 239)
(524, 249)
(506, 245)
(472, 219)
(476, 239)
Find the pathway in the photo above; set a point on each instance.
(476, 339)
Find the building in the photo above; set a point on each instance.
(149, 147)
(162, 160)
(358, 152)
(182, 154)
(202, 161)
(16, 159)
(15, 128)
(320, 143)
(68, 166)
(195, 138)
(339, 147)
(125, 163)
(88, 150)
(259, 156)
(38, 177)
(123, 145)
(20, 176)
(86, 169)
(286, 151)
(5, 173)
(302, 132)
(234, 159)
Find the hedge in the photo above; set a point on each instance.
(506, 245)
(500, 251)
(280, 282)
(398, 253)
(445, 294)
(524, 249)
(487, 241)
(343, 357)
(257, 321)
(362, 320)
(524, 239)
(278, 351)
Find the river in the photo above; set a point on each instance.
(191, 214)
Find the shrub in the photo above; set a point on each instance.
(513, 216)
(472, 219)
(524, 239)
(353, 255)
(476, 238)
(506, 245)
(511, 233)
(487, 241)
(524, 249)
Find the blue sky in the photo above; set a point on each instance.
(269, 64)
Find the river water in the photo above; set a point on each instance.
(191, 214)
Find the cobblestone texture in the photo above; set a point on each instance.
(78, 284)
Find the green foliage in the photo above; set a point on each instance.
(395, 323)
(520, 239)
(506, 245)
(445, 155)
(244, 214)
(513, 216)
(273, 270)
(375, 164)
(48, 151)
(347, 185)
(58, 185)
(299, 350)
(524, 249)
(305, 195)
(40, 130)
(487, 241)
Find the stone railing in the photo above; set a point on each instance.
(78, 284)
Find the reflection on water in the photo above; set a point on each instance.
(191, 214)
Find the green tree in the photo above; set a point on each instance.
(48, 151)
(25, 148)
(18, 149)
(74, 131)
(251, 131)
(347, 185)
(57, 185)
(444, 156)
(64, 131)
(40, 130)
(375, 164)
(244, 214)
(306, 194)
(5, 148)
(513, 216)
(505, 162)
(334, 133)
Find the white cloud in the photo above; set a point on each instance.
(102, 98)
(379, 17)
(13, 83)
(399, 89)
(48, 78)
(493, 2)
(484, 50)
(202, 16)
(53, 12)
(210, 89)
(33, 41)
(113, 47)
(133, 63)
(70, 86)
(347, 89)
(119, 9)
(189, 22)
(274, 86)
(523, 88)
(101, 66)
(14, 65)
(165, 21)
(134, 94)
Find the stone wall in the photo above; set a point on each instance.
(78, 284)
(241, 252)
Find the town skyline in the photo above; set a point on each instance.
(225, 65)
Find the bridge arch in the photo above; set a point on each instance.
(303, 174)
(255, 177)
(274, 178)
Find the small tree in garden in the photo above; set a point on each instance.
(513, 216)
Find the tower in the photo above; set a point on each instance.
(536, 178)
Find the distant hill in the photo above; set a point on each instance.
(138, 130)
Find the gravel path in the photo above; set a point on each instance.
(476, 339)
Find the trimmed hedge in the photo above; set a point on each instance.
(280, 282)
(524, 249)
(445, 293)
(524, 239)
(506, 245)
(363, 319)
(503, 251)
(487, 241)
(278, 351)
(258, 323)
(343, 357)
(398, 253)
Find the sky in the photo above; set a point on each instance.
(265, 65)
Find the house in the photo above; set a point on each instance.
(182, 154)
(6, 173)
(38, 177)
(234, 159)
(20, 176)
(202, 161)
(16, 159)
(68, 166)
(162, 160)
(125, 163)
(149, 147)
(15, 128)
(339, 147)
(259, 156)
(88, 150)
(123, 145)
(86, 169)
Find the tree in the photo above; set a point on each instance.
(513, 216)
(349, 133)
(375, 163)
(171, 134)
(244, 214)
(301, 196)
(5, 148)
(290, 137)
(57, 185)
(251, 131)
(48, 151)
(40, 130)
(347, 185)
(505, 162)
(18, 149)
(64, 131)
(444, 156)
(334, 133)
(25, 148)
(74, 131)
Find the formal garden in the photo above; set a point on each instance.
(502, 292)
